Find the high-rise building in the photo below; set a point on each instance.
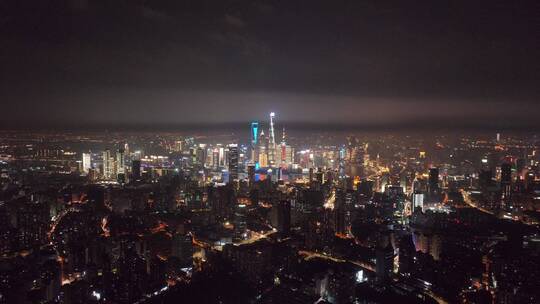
(418, 201)
(433, 182)
(86, 162)
(506, 173)
(215, 158)
(284, 152)
(108, 164)
(485, 179)
(251, 174)
(272, 141)
(120, 161)
(506, 180)
(284, 216)
(178, 146)
(384, 263)
(233, 162)
(136, 169)
(263, 149)
(254, 140)
(199, 155)
(182, 248)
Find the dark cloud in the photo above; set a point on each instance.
(380, 62)
(234, 21)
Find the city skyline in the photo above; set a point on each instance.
(269, 152)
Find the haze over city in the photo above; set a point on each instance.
(80, 62)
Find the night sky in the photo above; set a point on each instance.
(358, 63)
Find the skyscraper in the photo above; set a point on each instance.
(251, 174)
(108, 165)
(120, 161)
(272, 141)
(86, 162)
(284, 216)
(233, 162)
(254, 140)
(182, 248)
(433, 181)
(136, 169)
(263, 149)
(506, 180)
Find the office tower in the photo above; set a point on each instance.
(365, 188)
(126, 148)
(342, 212)
(233, 162)
(289, 155)
(506, 173)
(263, 149)
(485, 179)
(254, 133)
(96, 197)
(222, 160)
(506, 180)
(284, 216)
(136, 169)
(182, 248)
(32, 224)
(108, 164)
(406, 252)
(240, 222)
(131, 277)
(208, 157)
(221, 199)
(418, 201)
(281, 151)
(199, 155)
(384, 264)
(178, 146)
(433, 182)
(272, 142)
(215, 158)
(254, 140)
(251, 174)
(319, 176)
(120, 161)
(86, 162)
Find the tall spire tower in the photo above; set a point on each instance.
(272, 141)
(272, 135)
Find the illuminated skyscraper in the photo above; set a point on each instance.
(506, 180)
(282, 159)
(251, 174)
(263, 150)
(433, 182)
(233, 162)
(215, 158)
(254, 141)
(272, 141)
(86, 162)
(254, 133)
(108, 164)
(120, 161)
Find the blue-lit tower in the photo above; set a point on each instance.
(254, 133)
(254, 142)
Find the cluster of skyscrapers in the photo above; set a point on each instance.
(265, 151)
